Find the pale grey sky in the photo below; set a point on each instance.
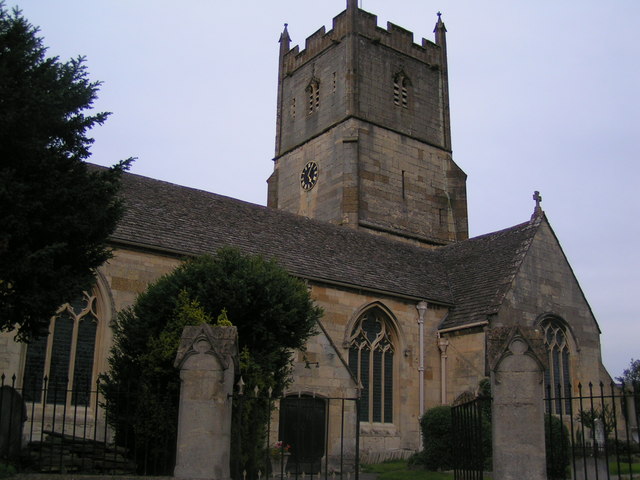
(544, 96)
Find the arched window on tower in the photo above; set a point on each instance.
(64, 355)
(313, 92)
(401, 84)
(371, 353)
(557, 376)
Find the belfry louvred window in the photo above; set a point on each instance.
(401, 86)
(64, 355)
(371, 353)
(313, 91)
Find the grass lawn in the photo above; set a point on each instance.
(6, 470)
(624, 467)
(398, 470)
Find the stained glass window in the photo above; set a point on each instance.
(64, 354)
(557, 377)
(371, 360)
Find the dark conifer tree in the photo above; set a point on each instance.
(56, 212)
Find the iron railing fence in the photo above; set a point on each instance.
(307, 437)
(99, 429)
(471, 438)
(46, 427)
(592, 433)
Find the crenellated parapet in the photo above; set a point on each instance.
(366, 26)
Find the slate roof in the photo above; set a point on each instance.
(481, 271)
(161, 215)
(471, 276)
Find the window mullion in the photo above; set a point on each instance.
(72, 357)
(47, 357)
(371, 383)
(382, 384)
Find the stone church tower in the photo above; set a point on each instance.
(363, 134)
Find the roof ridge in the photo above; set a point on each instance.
(496, 233)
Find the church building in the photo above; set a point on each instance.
(367, 205)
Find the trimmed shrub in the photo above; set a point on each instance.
(557, 447)
(436, 437)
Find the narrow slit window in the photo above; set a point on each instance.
(403, 186)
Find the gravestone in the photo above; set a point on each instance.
(206, 357)
(599, 433)
(517, 370)
(13, 414)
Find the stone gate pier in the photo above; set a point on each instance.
(207, 358)
(517, 364)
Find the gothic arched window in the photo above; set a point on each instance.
(371, 354)
(557, 376)
(401, 84)
(64, 354)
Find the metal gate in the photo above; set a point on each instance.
(312, 437)
(471, 432)
(303, 421)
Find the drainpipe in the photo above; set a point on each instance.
(422, 310)
(443, 343)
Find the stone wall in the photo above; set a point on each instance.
(374, 178)
(342, 308)
(465, 361)
(546, 285)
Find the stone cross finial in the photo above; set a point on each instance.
(538, 198)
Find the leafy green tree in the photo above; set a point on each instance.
(589, 418)
(272, 311)
(55, 212)
(631, 379)
(631, 376)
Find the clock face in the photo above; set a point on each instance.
(309, 176)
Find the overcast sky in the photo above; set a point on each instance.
(544, 96)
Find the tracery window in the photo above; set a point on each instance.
(557, 376)
(64, 355)
(401, 84)
(313, 90)
(371, 354)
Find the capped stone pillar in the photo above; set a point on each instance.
(207, 357)
(517, 363)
